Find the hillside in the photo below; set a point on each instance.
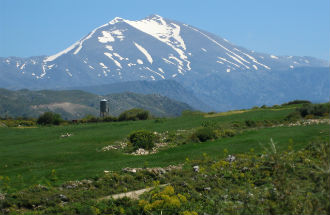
(168, 88)
(73, 104)
(44, 170)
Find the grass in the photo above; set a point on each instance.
(28, 156)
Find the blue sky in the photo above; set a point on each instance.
(281, 27)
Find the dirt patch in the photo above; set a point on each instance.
(132, 194)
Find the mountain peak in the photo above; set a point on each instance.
(154, 16)
(116, 20)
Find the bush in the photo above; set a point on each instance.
(294, 116)
(134, 114)
(250, 123)
(321, 109)
(228, 133)
(314, 109)
(49, 118)
(160, 120)
(209, 124)
(203, 134)
(142, 139)
(237, 125)
(276, 106)
(294, 102)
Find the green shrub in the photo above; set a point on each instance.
(49, 118)
(160, 120)
(294, 102)
(142, 139)
(250, 123)
(209, 124)
(237, 124)
(212, 112)
(228, 133)
(321, 109)
(314, 109)
(134, 114)
(203, 134)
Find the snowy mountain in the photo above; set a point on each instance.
(153, 49)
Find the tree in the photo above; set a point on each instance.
(49, 118)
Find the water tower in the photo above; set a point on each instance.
(104, 110)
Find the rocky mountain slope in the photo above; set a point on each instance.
(218, 72)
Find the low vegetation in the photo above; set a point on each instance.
(258, 161)
(49, 118)
(271, 182)
(203, 134)
(142, 139)
(134, 114)
(312, 110)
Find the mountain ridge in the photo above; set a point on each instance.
(152, 49)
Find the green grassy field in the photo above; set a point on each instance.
(28, 156)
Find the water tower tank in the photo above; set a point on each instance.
(103, 107)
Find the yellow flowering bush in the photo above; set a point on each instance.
(165, 200)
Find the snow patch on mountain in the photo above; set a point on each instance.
(53, 57)
(103, 66)
(237, 60)
(118, 56)
(144, 51)
(147, 68)
(107, 37)
(110, 48)
(274, 57)
(118, 34)
(86, 38)
(168, 33)
(78, 43)
(218, 44)
(161, 70)
(116, 20)
(109, 55)
(255, 61)
(224, 59)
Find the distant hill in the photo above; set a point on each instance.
(168, 88)
(72, 104)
